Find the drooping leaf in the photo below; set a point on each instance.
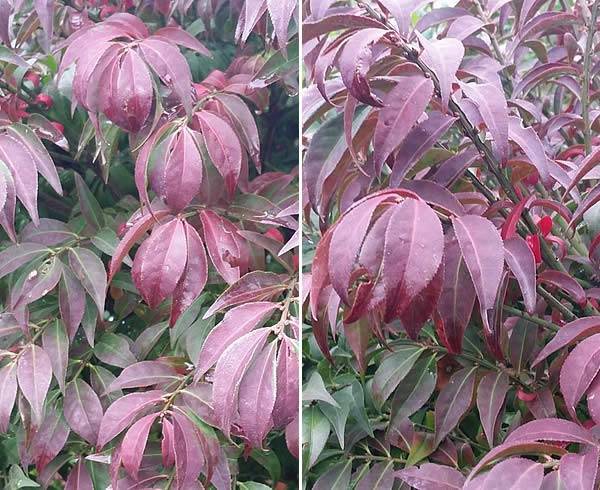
(237, 322)
(338, 476)
(34, 373)
(8, 393)
(56, 344)
(402, 106)
(392, 371)
(122, 412)
(491, 393)
(429, 476)
(521, 261)
(531, 145)
(453, 402)
(145, 373)
(90, 271)
(564, 281)
(79, 478)
(134, 444)
(83, 410)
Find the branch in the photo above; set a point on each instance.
(587, 68)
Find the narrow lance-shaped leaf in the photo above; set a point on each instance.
(231, 367)
(392, 370)
(90, 271)
(123, 411)
(83, 410)
(566, 282)
(145, 373)
(483, 252)
(15, 256)
(403, 105)
(521, 261)
(492, 106)
(8, 393)
(453, 402)
(513, 473)
(79, 478)
(56, 344)
(430, 476)
(531, 145)
(286, 403)
(579, 370)
(257, 396)
(491, 392)
(34, 373)
(50, 439)
(443, 57)
(90, 208)
(338, 476)
(237, 322)
(134, 444)
(71, 301)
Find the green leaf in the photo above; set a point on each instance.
(338, 476)
(90, 208)
(252, 485)
(392, 370)
(315, 390)
(339, 416)
(18, 479)
(315, 432)
(106, 240)
(269, 461)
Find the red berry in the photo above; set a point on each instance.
(107, 11)
(532, 178)
(34, 78)
(588, 424)
(58, 126)
(296, 261)
(526, 397)
(545, 225)
(534, 244)
(275, 234)
(44, 100)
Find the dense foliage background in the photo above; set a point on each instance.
(154, 262)
(451, 222)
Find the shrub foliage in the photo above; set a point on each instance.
(452, 224)
(149, 293)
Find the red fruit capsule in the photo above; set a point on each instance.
(545, 225)
(534, 244)
(33, 77)
(275, 234)
(44, 100)
(59, 127)
(526, 397)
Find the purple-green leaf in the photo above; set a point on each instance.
(34, 373)
(83, 410)
(89, 269)
(491, 393)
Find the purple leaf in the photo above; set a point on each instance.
(223, 146)
(15, 256)
(49, 440)
(528, 140)
(354, 63)
(48, 232)
(8, 393)
(511, 474)
(142, 374)
(231, 367)
(418, 141)
(187, 451)
(281, 13)
(335, 22)
(38, 283)
(56, 344)
(124, 411)
(236, 323)
(380, 477)
(580, 470)
(337, 476)
(160, 262)
(564, 281)
(286, 403)
(406, 271)
(430, 476)
(71, 301)
(482, 250)
(491, 393)
(254, 286)
(227, 249)
(443, 57)
(83, 410)
(550, 430)
(257, 394)
(89, 269)
(457, 297)
(7, 211)
(453, 402)
(403, 106)
(434, 194)
(181, 173)
(492, 106)
(194, 276)
(579, 370)
(134, 444)
(134, 232)
(34, 373)
(569, 333)
(521, 261)
(79, 478)
(45, 12)
(183, 38)
(171, 67)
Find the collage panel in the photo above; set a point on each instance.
(450, 252)
(149, 245)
